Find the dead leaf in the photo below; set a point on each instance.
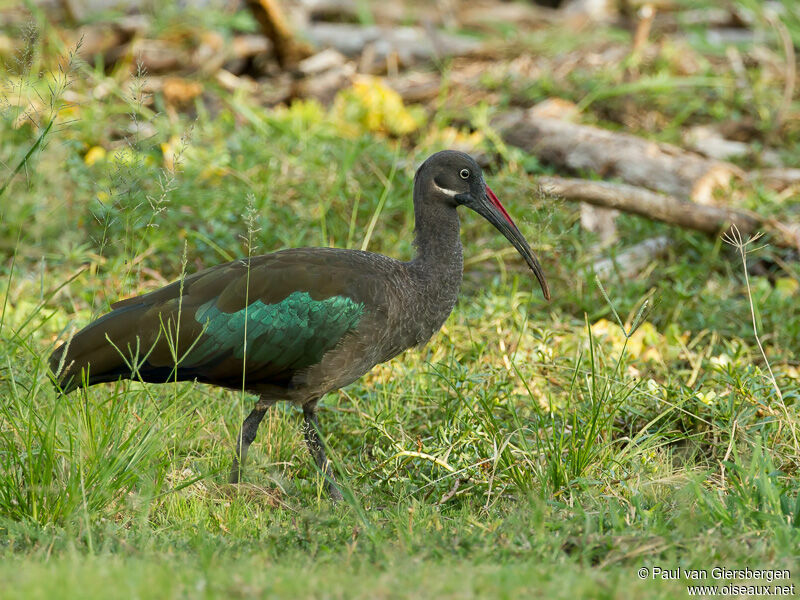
(179, 92)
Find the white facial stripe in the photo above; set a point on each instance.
(445, 191)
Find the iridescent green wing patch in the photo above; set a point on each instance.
(293, 333)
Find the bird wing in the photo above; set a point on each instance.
(265, 318)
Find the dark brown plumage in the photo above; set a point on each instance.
(296, 324)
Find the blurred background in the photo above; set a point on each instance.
(581, 88)
(648, 413)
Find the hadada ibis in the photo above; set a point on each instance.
(299, 323)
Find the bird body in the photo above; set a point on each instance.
(295, 324)
(314, 319)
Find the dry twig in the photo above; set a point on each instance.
(635, 160)
(668, 209)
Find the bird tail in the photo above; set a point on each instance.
(95, 353)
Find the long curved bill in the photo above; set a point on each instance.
(492, 210)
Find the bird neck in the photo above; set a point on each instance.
(438, 242)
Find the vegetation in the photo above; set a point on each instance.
(555, 448)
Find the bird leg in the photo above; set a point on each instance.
(317, 449)
(246, 436)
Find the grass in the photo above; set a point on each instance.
(558, 447)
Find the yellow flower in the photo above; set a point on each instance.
(654, 388)
(706, 398)
(641, 345)
(124, 156)
(375, 107)
(544, 353)
(169, 149)
(790, 371)
(720, 361)
(450, 137)
(95, 153)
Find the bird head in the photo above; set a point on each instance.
(456, 179)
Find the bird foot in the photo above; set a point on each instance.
(333, 489)
(235, 472)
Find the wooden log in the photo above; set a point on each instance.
(288, 50)
(601, 221)
(484, 16)
(158, 56)
(632, 261)
(779, 178)
(644, 163)
(416, 87)
(709, 141)
(248, 45)
(409, 44)
(109, 40)
(668, 209)
(324, 74)
(332, 11)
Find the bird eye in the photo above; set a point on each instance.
(464, 173)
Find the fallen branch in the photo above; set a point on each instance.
(635, 160)
(288, 50)
(779, 178)
(324, 74)
(407, 44)
(668, 209)
(602, 221)
(631, 262)
(709, 141)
